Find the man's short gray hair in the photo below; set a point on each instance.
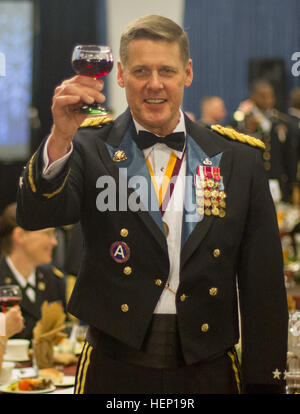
(155, 27)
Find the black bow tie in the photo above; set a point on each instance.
(175, 141)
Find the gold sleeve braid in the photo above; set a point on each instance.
(238, 136)
(32, 183)
(96, 121)
(30, 174)
(88, 122)
(50, 195)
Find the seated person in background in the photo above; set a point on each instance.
(212, 110)
(26, 261)
(11, 323)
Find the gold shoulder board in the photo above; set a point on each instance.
(238, 136)
(57, 272)
(96, 121)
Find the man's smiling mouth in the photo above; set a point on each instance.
(155, 101)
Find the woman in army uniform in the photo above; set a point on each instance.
(26, 261)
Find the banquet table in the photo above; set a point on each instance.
(26, 370)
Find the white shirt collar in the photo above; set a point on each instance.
(180, 127)
(20, 278)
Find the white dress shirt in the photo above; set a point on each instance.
(158, 156)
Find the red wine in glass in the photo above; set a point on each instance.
(10, 295)
(94, 67)
(94, 61)
(6, 302)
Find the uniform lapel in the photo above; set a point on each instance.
(132, 177)
(201, 144)
(40, 288)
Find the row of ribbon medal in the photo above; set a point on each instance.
(210, 194)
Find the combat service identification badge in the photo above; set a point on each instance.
(120, 252)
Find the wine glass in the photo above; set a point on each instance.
(81, 333)
(10, 295)
(94, 61)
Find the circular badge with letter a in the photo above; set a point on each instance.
(120, 252)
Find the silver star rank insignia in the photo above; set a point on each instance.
(276, 374)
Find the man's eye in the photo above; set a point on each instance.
(139, 71)
(167, 70)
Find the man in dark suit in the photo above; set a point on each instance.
(163, 266)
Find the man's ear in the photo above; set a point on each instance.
(189, 74)
(120, 75)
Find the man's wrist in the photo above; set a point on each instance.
(57, 147)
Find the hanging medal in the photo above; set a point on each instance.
(164, 193)
(210, 194)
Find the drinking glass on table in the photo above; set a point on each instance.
(94, 61)
(81, 331)
(10, 295)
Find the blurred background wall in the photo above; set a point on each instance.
(232, 41)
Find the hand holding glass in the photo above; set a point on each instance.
(94, 61)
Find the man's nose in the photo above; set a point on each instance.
(155, 81)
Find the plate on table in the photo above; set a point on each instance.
(15, 359)
(7, 390)
(68, 381)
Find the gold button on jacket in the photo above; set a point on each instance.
(124, 308)
(217, 252)
(183, 297)
(205, 327)
(213, 291)
(124, 232)
(127, 270)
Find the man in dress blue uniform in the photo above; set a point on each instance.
(176, 228)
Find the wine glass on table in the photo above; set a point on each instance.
(81, 333)
(94, 61)
(10, 295)
(78, 337)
